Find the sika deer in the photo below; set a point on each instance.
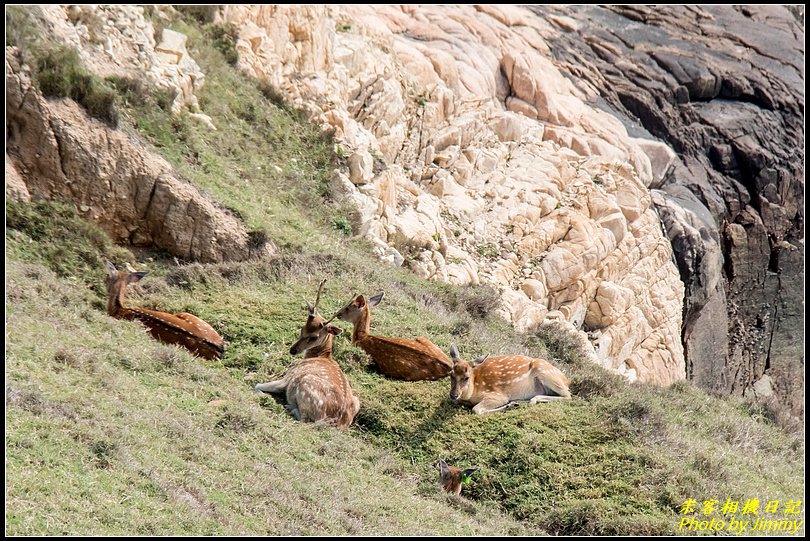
(451, 478)
(501, 381)
(183, 329)
(317, 389)
(401, 358)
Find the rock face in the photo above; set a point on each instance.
(724, 86)
(469, 157)
(57, 150)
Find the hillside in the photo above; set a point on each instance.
(111, 433)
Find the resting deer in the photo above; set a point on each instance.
(317, 389)
(182, 329)
(451, 478)
(502, 381)
(401, 358)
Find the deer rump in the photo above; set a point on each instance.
(312, 390)
(408, 360)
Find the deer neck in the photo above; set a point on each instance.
(322, 351)
(115, 300)
(362, 326)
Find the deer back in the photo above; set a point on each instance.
(409, 360)
(322, 392)
(518, 377)
(183, 329)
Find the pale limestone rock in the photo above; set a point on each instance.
(361, 167)
(535, 289)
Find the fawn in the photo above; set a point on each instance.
(502, 381)
(451, 478)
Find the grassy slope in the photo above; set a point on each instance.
(109, 432)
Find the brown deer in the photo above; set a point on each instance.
(317, 389)
(451, 478)
(401, 358)
(502, 381)
(183, 329)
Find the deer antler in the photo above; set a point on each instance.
(339, 309)
(314, 309)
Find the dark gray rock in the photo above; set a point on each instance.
(724, 86)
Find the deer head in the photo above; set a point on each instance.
(116, 282)
(461, 378)
(353, 311)
(451, 478)
(316, 331)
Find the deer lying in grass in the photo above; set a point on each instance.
(451, 478)
(401, 358)
(183, 329)
(502, 381)
(317, 389)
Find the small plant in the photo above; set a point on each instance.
(457, 232)
(488, 250)
(510, 229)
(343, 225)
(437, 237)
(345, 28)
(421, 102)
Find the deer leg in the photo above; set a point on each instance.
(491, 405)
(293, 411)
(271, 386)
(547, 398)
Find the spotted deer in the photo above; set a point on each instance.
(400, 358)
(317, 389)
(491, 384)
(183, 329)
(451, 478)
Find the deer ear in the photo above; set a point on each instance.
(360, 300)
(112, 272)
(441, 464)
(136, 277)
(310, 309)
(331, 329)
(454, 353)
(468, 472)
(479, 360)
(375, 300)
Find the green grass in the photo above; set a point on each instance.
(109, 432)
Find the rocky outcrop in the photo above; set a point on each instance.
(120, 41)
(468, 157)
(724, 86)
(58, 151)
